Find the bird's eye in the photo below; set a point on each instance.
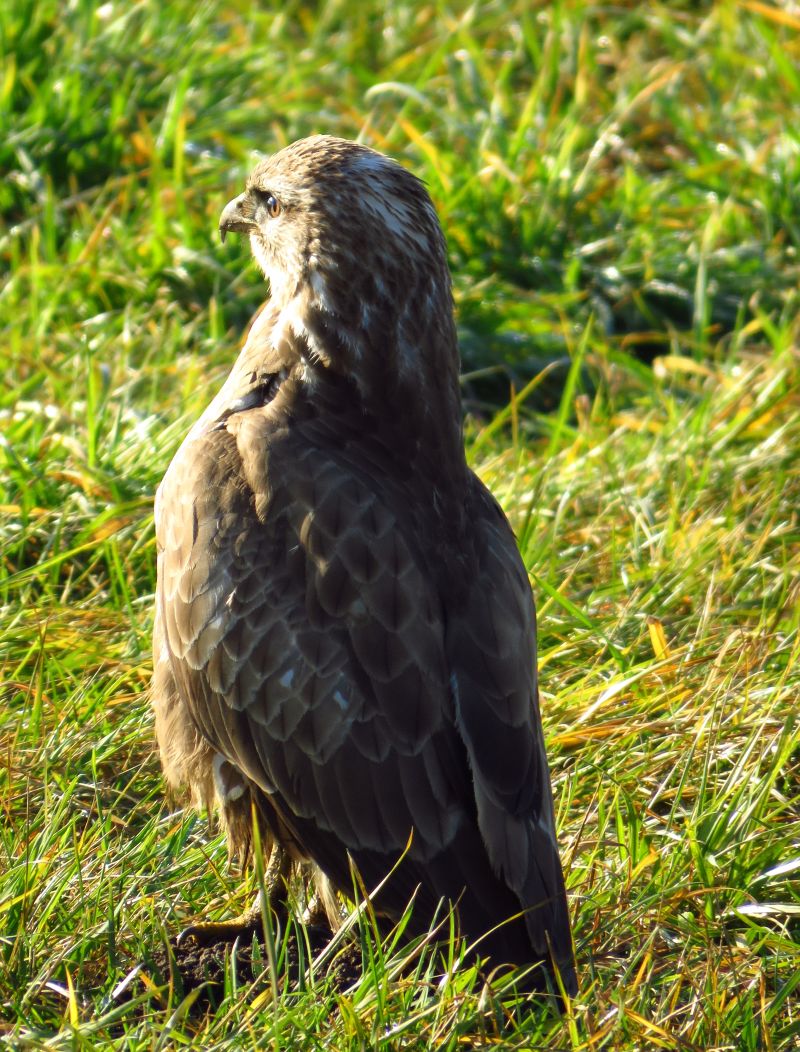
(271, 203)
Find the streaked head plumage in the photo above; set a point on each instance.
(325, 206)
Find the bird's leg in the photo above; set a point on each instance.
(324, 909)
(314, 915)
(251, 922)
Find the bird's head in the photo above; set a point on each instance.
(361, 307)
(352, 248)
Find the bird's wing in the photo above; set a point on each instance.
(306, 642)
(313, 651)
(491, 648)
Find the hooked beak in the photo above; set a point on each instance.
(236, 216)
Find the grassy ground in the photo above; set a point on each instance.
(617, 184)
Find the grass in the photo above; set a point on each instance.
(618, 185)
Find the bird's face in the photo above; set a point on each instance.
(274, 210)
(339, 222)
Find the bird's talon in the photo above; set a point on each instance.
(207, 933)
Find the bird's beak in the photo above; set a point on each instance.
(237, 215)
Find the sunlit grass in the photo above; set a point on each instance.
(616, 184)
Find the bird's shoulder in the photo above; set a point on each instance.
(283, 531)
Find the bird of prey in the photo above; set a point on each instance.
(345, 637)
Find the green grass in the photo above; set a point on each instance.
(616, 183)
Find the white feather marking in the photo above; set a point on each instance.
(261, 257)
(216, 622)
(319, 287)
(395, 215)
(226, 792)
(291, 320)
(340, 699)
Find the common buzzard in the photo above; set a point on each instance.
(345, 634)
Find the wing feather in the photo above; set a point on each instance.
(498, 716)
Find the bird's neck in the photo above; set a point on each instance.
(399, 366)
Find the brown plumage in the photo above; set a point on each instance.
(345, 633)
